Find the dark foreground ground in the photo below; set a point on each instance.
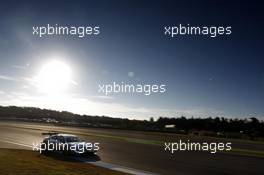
(26, 162)
(145, 150)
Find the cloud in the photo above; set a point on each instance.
(88, 106)
(94, 105)
(18, 67)
(8, 78)
(73, 104)
(104, 97)
(73, 82)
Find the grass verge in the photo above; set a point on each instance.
(26, 162)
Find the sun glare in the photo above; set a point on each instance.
(54, 77)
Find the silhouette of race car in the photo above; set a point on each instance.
(67, 144)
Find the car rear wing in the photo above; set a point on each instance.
(50, 133)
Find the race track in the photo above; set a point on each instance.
(141, 150)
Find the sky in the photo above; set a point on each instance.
(222, 76)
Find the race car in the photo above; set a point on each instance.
(67, 144)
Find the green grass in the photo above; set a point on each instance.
(25, 162)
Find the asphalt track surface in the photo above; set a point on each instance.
(138, 151)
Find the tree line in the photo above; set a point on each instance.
(215, 126)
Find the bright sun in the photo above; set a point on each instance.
(54, 77)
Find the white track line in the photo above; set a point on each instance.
(119, 168)
(20, 144)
